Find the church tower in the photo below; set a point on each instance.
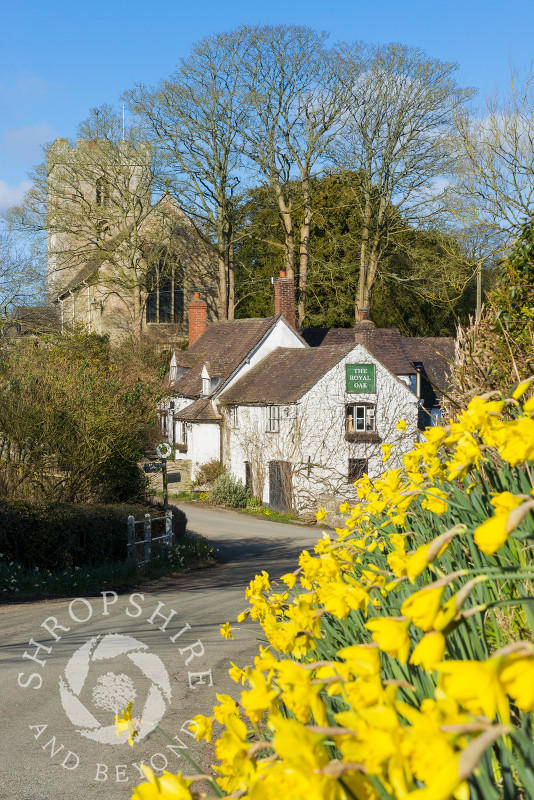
(116, 262)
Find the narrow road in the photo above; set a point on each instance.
(67, 665)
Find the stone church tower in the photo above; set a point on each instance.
(117, 262)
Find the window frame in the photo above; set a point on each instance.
(357, 467)
(368, 416)
(273, 419)
(235, 417)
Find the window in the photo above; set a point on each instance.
(235, 417)
(360, 418)
(181, 433)
(206, 386)
(102, 192)
(165, 299)
(357, 468)
(273, 419)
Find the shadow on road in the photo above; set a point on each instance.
(240, 560)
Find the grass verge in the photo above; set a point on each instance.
(17, 583)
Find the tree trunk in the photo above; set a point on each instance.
(304, 253)
(284, 209)
(138, 311)
(231, 275)
(362, 282)
(222, 289)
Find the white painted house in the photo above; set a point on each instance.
(296, 423)
(305, 424)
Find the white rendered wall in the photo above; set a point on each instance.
(204, 444)
(315, 429)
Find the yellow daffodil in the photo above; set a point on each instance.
(517, 677)
(202, 727)
(422, 606)
(236, 673)
(435, 501)
(226, 631)
(168, 787)
(401, 425)
(321, 514)
(126, 724)
(429, 651)
(227, 707)
(386, 448)
(491, 535)
(476, 686)
(391, 635)
(521, 388)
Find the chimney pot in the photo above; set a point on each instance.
(198, 312)
(284, 298)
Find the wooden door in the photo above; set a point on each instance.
(280, 489)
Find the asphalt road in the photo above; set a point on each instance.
(66, 665)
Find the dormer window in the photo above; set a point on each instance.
(173, 372)
(206, 382)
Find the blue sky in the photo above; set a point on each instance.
(60, 59)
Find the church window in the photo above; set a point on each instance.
(165, 300)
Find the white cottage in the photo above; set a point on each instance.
(298, 416)
(305, 424)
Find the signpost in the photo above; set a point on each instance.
(360, 378)
(164, 450)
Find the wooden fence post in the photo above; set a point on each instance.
(130, 548)
(148, 537)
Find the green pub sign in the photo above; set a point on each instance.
(360, 378)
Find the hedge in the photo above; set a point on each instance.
(59, 536)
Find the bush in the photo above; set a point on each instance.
(75, 416)
(58, 536)
(208, 473)
(227, 491)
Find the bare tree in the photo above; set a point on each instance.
(398, 141)
(297, 90)
(21, 278)
(196, 116)
(94, 202)
(495, 186)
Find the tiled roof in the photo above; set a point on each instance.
(385, 344)
(200, 411)
(436, 354)
(224, 345)
(284, 375)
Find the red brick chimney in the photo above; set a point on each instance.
(364, 329)
(198, 310)
(284, 298)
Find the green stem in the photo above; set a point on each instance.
(193, 763)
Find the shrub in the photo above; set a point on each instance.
(59, 536)
(74, 420)
(227, 491)
(209, 472)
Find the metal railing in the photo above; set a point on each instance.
(165, 538)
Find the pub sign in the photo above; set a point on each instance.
(360, 378)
